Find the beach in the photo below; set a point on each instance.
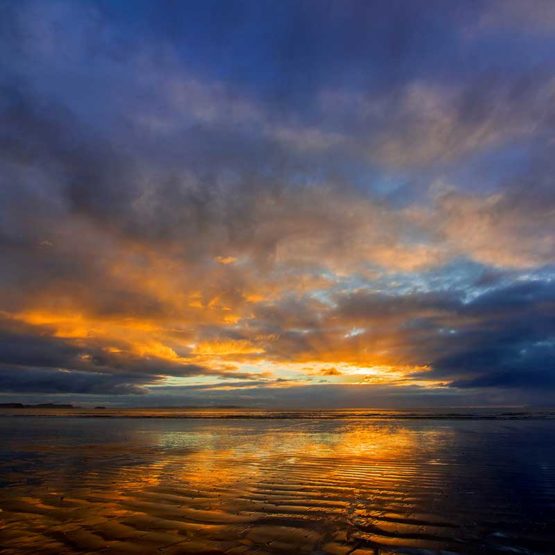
(308, 483)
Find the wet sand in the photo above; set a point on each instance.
(230, 485)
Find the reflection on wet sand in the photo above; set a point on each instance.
(264, 486)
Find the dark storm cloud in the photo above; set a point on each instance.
(41, 380)
(502, 338)
(79, 169)
(508, 342)
(23, 347)
(31, 347)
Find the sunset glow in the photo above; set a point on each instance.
(354, 209)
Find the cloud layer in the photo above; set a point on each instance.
(345, 196)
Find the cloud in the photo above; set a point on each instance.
(330, 372)
(507, 341)
(502, 336)
(138, 286)
(507, 230)
(437, 124)
(41, 347)
(305, 200)
(45, 381)
(534, 16)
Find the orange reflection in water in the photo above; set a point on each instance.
(243, 486)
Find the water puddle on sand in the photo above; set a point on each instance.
(254, 486)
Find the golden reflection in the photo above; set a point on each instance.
(242, 486)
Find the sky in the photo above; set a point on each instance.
(277, 203)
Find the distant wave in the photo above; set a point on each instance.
(239, 413)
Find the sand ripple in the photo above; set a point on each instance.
(272, 487)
